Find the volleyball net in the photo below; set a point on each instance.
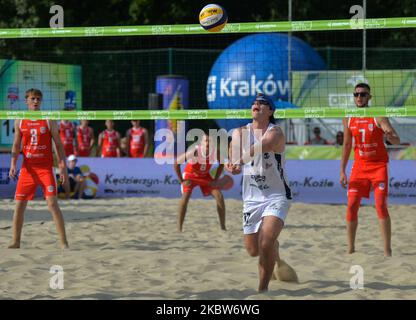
(182, 72)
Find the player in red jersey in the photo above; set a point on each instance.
(85, 139)
(369, 171)
(137, 140)
(35, 138)
(197, 173)
(66, 132)
(109, 141)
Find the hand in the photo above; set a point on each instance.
(343, 180)
(186, 183)
(13, 171)
(233, 168)
(63, 175)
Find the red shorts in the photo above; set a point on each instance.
(83, 153)
(69, 149)
(202, 182)
(365, 178)
(32, 177)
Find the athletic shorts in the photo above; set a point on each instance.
(203, 183)
(83, 153)
(32, 177)
(253, 214)
(69, 149)
(363, 179)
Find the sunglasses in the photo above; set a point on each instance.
(361, 94)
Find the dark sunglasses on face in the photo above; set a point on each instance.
(361, 94)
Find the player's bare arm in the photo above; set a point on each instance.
(389, 131)
(346, 151)
(15, 149)
(100, 144)
(60, 152)
(146, 142)
(272, 141)
(235, 152)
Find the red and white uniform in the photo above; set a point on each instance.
(110, 143)
(198, 172)
(84, 141)
(66, 132)
(37, 160)
(137, 142)
(370, 158)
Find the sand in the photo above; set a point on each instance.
(130, 249)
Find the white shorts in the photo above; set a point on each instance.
(253, 214)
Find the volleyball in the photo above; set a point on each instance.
(213, 18)
(91, 186)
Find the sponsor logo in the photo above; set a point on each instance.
(245, 88)
(381, 186)
(42, 130)
(370, 127)
(51, 188)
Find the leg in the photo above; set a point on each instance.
(18, 218)
(352, 221)
(81, 188)
(251, 243)
(58, 219)
(183, 205)
(220, 206)
(269, 231)
(384, 220)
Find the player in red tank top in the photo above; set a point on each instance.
(197, 173)
(369, 171)
(35, 138)
(85, 139)
(109, 141)
(66, 132)
(137, 140)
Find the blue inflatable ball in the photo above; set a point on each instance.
(257, 63)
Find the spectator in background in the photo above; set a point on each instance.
(85, 139)
(76, 185)
(317, 140)
(66, 133)
(339, 139)
(137, 140)
(109, 141)
(124, 147)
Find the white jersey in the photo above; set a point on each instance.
(264, 178)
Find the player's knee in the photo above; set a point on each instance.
(266, 244)
(352, 208)
(381, 206)
(252, 250)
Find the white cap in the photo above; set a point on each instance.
(72, 157)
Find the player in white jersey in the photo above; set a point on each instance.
(257, 149)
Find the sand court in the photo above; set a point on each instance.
(130, 249)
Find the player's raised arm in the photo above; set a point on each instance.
(389, 131)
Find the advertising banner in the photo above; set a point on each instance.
(311, 181)
(61, 86)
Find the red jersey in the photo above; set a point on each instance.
(368, 139)
(110, 144)
(137, 142)
(84, 141)
(66, 132)
(36, 143)
(200, 167)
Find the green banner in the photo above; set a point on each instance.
(333, 89)
(249, 27)
(335, 153)
(207, 114)
(61, 86)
